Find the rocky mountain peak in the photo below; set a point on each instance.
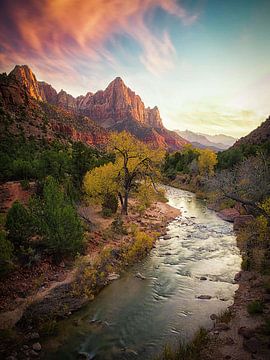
(27, 78)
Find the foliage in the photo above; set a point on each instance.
(109, 204)
(255, 307)
(180, 161)
(101, 181)
(18, 224)
(187, 351)
(142, 244)
(6, 252)
(118, 226)
(57, 221)
(134, 162)
(206, 162)
(247, 183)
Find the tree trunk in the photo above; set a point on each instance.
(125, 204)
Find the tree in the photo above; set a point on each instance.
(6, 251)
(134, 162)
(18, 224)
(57, 221)
(206, 162)
(247, 183)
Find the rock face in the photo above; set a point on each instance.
(229, 214)
(47, 92)
(36, 118)
(257, 136)
(117, 108)
(27, 78)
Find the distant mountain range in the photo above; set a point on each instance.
(216, 143)
(116, 108)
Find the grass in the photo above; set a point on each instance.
(186, 351)
(255, 307)
(225, 316)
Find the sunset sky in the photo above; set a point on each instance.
(204, 63)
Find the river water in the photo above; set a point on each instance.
(133, 318)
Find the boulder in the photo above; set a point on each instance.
(241, 221)
(204, 297)
(113, 276)
(229, 214)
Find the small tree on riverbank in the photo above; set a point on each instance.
(135, 162)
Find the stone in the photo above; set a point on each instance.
(213, 317)
(222, 326)
(204, 297)
(167, 237)
(203, 278)
(83, 355)
(36, 346)
(252, 345)
(246, 332)
(113, 276)
(229, 214)
(140, 276)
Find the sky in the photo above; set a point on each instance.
(204, 63)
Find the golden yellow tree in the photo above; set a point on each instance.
(134, 162)
(206, 162)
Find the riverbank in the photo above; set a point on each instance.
(243, 331)
(112, 246)
(247, 332)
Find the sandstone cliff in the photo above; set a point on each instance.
(117, 108)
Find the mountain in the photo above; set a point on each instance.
(221, 138)
(203, 141)
(258, 136)
(116, 108)
(25, 115)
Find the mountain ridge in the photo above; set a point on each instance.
(116, 108)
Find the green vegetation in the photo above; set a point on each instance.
(6, 252)
(187, 351)
(135, 163)
(255, 307)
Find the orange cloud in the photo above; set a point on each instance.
(55, 33)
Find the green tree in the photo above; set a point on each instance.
(57, 221)
(6, 252)
(18, 224)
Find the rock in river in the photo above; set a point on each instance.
(140, 276)
(204, 297)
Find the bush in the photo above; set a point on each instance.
(18, 224)
(109, 204)
(6, 251)
(118, 226)
(255, 307)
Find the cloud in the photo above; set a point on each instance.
(55, 35)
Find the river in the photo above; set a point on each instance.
(133, 318)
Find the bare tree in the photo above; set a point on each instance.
(247, 183)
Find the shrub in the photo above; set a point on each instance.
(25, 184)
(255, 307)
(18, 224)
(118, 226)
(109, 204)
(6, 251)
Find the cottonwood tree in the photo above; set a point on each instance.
(247, 183)
(134, 162)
